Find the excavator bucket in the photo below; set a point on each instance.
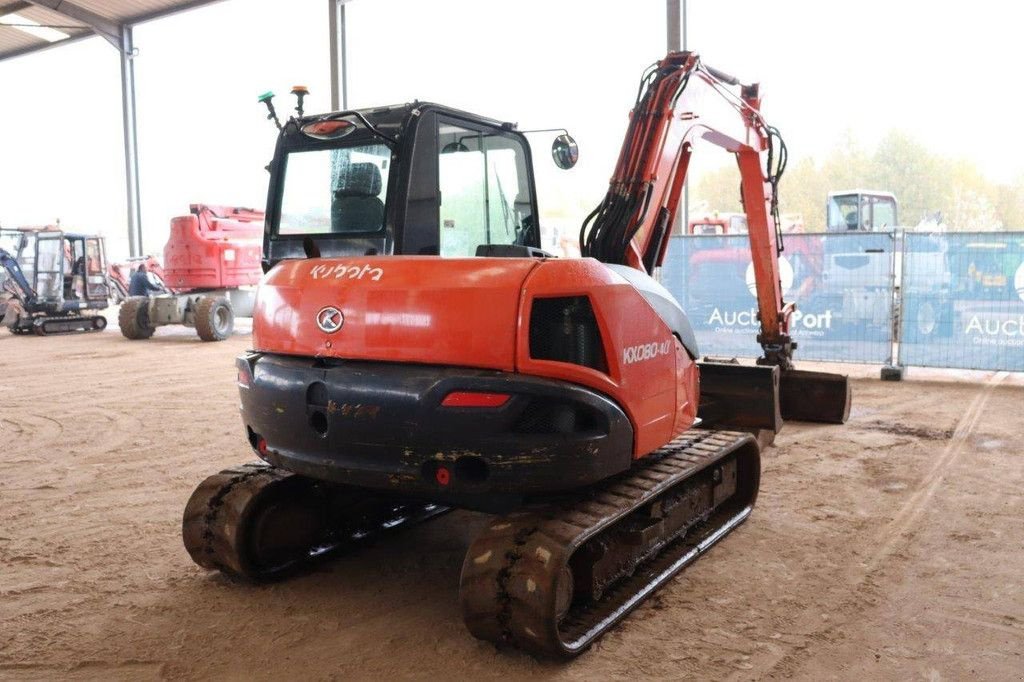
(815, 396)
(741, 397)
(745, 397)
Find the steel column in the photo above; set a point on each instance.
(339, 68)
(131, 145)
(675, 21)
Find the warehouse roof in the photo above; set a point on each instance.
(31, 25)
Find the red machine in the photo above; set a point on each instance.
(211, 261)
(718, 223)
(561, 394)
(214, 247)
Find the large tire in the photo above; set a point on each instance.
(214, 318)
(133, 319)
(927, 320)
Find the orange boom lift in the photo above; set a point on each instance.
(415, 350)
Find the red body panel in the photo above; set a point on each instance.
(214, 247)
(458, 312)
(475, 312)
(639, 347)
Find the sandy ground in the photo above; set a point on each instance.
(887, 549)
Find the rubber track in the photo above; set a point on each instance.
(214, 536)
(40, 328)
(510, 571)
(205, 529)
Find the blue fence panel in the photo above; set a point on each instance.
(963, 300)
(842, 285)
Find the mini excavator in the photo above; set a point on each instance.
(415, 350)
(52, 282)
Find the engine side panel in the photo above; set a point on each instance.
(645, 362)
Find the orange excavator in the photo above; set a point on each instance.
(414, 350)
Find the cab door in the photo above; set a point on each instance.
(470, 185)
(97, 287)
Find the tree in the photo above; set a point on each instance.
(924, 183)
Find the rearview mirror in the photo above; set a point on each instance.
(565, 152)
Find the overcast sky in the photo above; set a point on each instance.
(936, 69)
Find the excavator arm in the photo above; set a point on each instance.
(681, 103)
(21, 288)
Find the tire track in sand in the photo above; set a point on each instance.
(899, 530)
(910, 513)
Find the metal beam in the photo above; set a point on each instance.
(160, 14)
(14, 7)
(339, 67)
(672, 23)
(676, 23)
(105, 28)
(131, 143)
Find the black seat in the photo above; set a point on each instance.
(356, 205)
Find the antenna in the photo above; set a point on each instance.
(300, 92)
(267, 98)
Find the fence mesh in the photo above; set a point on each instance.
(842, 285)
(956, 299)
(962, 300)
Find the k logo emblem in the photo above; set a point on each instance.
(329, 320)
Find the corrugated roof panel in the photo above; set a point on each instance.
(14, 42)
(121, 11)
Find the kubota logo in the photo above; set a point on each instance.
(785, 276)
(346, 272)
(329, 320)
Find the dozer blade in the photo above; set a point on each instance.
(815, 396)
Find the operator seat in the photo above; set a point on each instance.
(356, 205)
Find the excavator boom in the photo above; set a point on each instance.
(682, 102)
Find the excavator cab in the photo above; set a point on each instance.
(861, 211)
(413, 179)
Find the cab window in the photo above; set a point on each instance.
(484, 190)
(842, 213)
(341, 190)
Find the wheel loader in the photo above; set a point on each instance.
(414, 350)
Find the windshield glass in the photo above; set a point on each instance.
(10, 240)
(842, 212)
(339, 190)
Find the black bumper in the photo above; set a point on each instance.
(382, 426)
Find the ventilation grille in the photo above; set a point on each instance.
(565, 330)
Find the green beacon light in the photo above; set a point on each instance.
(267, 98)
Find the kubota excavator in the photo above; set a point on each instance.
(387, 384)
